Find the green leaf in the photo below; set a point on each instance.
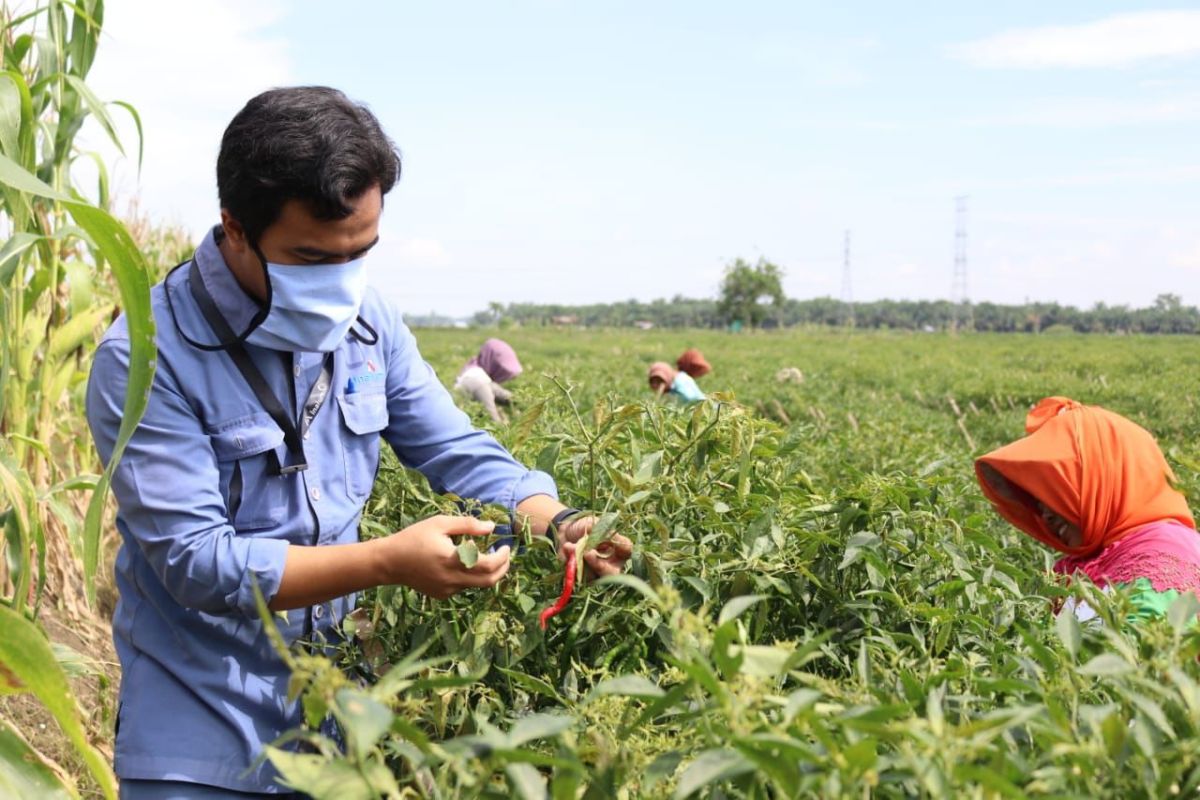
(11, 252)
(24, 773)
(364, 719)
(532, 683)
(763, 661)
(862, 755)
(637, 584)
(20, 524)
(129, 268)
(628, 686)
(1106, 664)
(547, 460)
(526, 781)
(649, 468)
(538, 726)
(98, 110)
(799, 700)
(603, 525)
(1183, 610)
(137, 121)
(28, 664)
(468, 553)
(662, 767)
(320, 777)
(711, 766)
(112, 244)
(1153, 712)
(10, 113)
(1068, 631)
(735, 607)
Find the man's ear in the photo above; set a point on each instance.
(235, 234)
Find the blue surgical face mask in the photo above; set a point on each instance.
(312, 305)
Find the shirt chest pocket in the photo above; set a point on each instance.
(364, 414)
(255, 494)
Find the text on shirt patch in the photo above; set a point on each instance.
(359, 382)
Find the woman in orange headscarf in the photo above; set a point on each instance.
(1095, 486)
(693, 363)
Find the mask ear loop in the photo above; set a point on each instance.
(258, 319)
(374, 340)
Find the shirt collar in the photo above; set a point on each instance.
(235, 305)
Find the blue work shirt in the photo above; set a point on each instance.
(203, 514)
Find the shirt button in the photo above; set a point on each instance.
(296, 370)
(307, 434)
(315, 493)
(319, 612)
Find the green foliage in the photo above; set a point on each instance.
(64, 260)
(49, 303)
(23, 772)
(823, 608)
(27, 664)
(749, 292)
(1167, 315)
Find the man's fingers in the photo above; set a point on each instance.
(601, 566)
(479, 579)
(618, 547)
(491, 562)
(458, 526)
(622, 547)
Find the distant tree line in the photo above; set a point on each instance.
(1167, 315)
(751, 295)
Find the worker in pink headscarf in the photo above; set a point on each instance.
(675, 385)
(481, 377)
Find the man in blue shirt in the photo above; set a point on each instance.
(278, 373)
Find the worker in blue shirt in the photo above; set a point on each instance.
(278, 373)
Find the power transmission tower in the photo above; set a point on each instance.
(963, 316)
(847, 293)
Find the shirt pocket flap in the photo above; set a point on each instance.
(245, 437)
(364, 412)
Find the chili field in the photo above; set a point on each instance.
(821, 603)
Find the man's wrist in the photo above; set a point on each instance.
(383, 566)
(561, 518)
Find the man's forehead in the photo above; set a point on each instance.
(301, 227)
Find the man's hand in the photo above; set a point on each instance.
(424, 557)
(607, 558)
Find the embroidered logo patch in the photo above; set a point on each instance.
(358, 383)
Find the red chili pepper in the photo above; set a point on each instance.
(568, 588)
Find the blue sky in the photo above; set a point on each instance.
(574, 152)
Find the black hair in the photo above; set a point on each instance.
(306, 143)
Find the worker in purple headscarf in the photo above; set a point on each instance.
(481, 377)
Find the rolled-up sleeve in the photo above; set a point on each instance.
(430, 433)
(169, 502)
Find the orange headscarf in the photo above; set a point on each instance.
(692, 362)
(1090, 466)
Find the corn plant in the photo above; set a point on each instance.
(63, 258)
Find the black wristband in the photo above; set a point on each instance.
(559, 519)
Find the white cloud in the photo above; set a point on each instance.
(1116, 41)
(187, 68)
(1086, 112)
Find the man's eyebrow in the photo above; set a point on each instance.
(318, 254)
